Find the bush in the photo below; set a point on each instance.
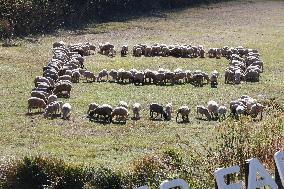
(39, 16)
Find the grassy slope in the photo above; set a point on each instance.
(254, 24)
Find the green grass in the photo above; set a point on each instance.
(83, 142)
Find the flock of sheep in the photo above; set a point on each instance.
(213, 111)
(67, 67)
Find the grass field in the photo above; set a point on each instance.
(253, 24)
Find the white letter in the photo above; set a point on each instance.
(174, 183)
(254, 168)
(279, 157)
(220, 175)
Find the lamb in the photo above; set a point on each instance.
(119, 114)
(104, 110)
(184, 111)
(34, 102)
(212, 107)
(92, 107)
(123, 104)
(222, 110)
(136, 108)
(51, 99)
(203, 111)
(39, 94)
(76, 77)
(89, 75)
(66, 111)
(102, 73)
(158, 109)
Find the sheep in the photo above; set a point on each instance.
(197, 79)
(40, 79)
(240, 110)
(256, 109)
(138, 77)
(179, 75)
(159, 78)
(137, 52)
(158, 109)
(39, 94)
(222, 110)
(65, 78)
(123, 104)
(213, 78)
(76, 77)
(66, 111)
(170, 77)
(150, 75)
(63, 88)
(136, 108)
(123, 75)
(52, 108)
(102, 73)
(51, 99)
(34, 102)
(229, 76)
(104, 110)
(252, 75)
(119, 114)
(203, 111)
(212, 107)
(89, 75)
(111, 53)
(69, 72)
(114, 74)
(92, 107)
(124, 50)
(184, 111)
(168, 110)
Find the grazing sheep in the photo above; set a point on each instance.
(104, 110)
(136, 108)
(138, 77)
(69, 72)
(123, 104)
(52, 108)
(92, 107)
(66, 111)
(203, 111)
(39, 94)
(63, 89)
(124, 75)
(240, 110)
(76, 77)
(65, 78)
(40, 79)
(213, 78)
(184, 111)
(119, 114)
(158, 109)
(103, 73)
(137, 52)
(256, 109)
(114, 74)
(168, 110)
(111, 53)
(34, 102)
(222, 110)
(51, 99)
(212, 107)
(124, 50)
(197, 79)
(89, 75)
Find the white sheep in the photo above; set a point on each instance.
(123, 104)
(168, 110)
(51, 99)
(119, 114)
(136, 108)
(66, 110)
(184, 111)
(92, 107)
(222, 110)
(212, 107)
(34, 102)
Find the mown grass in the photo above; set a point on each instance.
(82, 142)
